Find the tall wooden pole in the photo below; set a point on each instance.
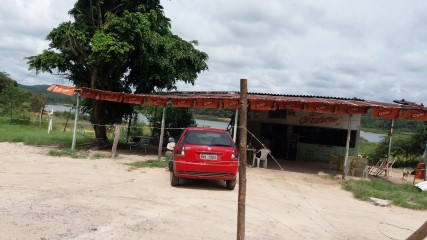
(425, 163)
(420, 234)
(241, 212)
(347, 148)
(389, 139)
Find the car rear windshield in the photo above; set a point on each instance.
(208, 138)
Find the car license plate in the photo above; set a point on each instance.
(208, 156)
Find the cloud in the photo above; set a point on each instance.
(367, 49)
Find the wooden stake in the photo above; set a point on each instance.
(162, 133)
(241, 212)
(420, 234)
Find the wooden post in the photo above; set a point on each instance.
(76, 119)
(347, 148)
(116, 140)
(390, 139)
(66, 121)
(41, 114)
(425, 163)
(241, 212)
(420, 234)
(162, 133)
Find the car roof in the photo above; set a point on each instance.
(205, 129)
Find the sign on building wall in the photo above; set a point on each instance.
(301, 118)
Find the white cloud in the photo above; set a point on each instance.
(373, 50)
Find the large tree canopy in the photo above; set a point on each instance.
(119, 45)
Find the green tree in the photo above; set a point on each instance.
(6, 80)
(37, 101)
(176, 120)
(407, 150)
(119, 46)
(12, 99)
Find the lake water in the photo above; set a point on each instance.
(56, 108)
(199, 122)
(372, 137)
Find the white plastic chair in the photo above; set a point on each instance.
(263, 157)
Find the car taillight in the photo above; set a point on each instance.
(180, 150)
(234, 155)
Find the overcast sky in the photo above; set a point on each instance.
(374, 50)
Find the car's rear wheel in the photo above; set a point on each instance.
(174, 179)
(170, 165)
(230, 184)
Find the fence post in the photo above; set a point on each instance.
(116, 140)
(76, 118)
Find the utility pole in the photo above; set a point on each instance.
(425, 163)
(241, 212)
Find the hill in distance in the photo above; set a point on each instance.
(52, 98)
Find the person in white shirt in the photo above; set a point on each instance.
(170, 147)
(171, 144)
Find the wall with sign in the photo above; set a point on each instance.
(302, 135)
(291, 117)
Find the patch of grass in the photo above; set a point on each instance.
(68, 153)
(149, 163)
(38, 136)
(366, 148)
(99, 155)
(403, 195)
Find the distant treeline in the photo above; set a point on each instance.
(52, 98)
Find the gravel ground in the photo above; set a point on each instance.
(45, 197)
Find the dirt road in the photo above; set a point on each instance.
(44, 197)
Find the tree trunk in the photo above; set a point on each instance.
(98, 119)
(98, 115)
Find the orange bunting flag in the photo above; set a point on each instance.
(290, 105)
(231, 103)
(387, 113)
(89, 93)
(182, 102)
(156, 101)
(68, 91)
(133, 98)
(207, 102)
(346, 109)
(419, 115)
(52, 87)
(110, 96)
(319, 108)
(262, 104)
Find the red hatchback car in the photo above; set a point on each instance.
(204, 153)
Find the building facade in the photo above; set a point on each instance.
(299, 135)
